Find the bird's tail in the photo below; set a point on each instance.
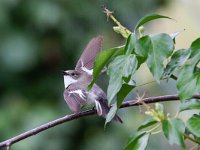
(103, 109)
(118, 119)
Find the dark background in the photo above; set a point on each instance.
(38, 40)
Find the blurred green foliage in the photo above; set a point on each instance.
(39, 39)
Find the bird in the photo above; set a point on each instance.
(76, 81)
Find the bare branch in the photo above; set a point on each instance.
(67, 118)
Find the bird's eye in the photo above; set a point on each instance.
(73, 74)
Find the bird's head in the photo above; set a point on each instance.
(71, 76)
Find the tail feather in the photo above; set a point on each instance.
(118, 119)
(103, 109)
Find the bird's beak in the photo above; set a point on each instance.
(65, 73)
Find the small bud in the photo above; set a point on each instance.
(162, 116)
(116, 29)
(168, 115)
(121, 30)
(159, 107)
(148, 113)
(141, 29)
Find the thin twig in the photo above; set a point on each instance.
(71, 117)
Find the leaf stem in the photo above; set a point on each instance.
(150, 82)
(152, 129)
(177, 114)
(145, 84)
(119, 28)
(191, 139)
(152, 112)
(156, 132)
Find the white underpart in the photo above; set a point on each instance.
(80, 93)
(85, 69)
(68, 80)
(98, 107)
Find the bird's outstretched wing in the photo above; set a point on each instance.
(75, 99)
(89, 54)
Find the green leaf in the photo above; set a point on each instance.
(148, 18)
(188, 82)
(156, 49)
(175, 34)
(115, 84)
(173, 130)
(130, 44)
(177, 60)
(120, 71)
(147, 123)
(102, 58)
(191, 104)
(195, 50)
(121, 67)
(141, 60)
(159, 107)
(138, 142)
(118, 52)
(193, 124)
(143, 46)
(111, 114)
(187, 132)
(125, 89)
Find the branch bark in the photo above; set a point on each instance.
(9, 142)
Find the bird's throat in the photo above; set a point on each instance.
(68, 80)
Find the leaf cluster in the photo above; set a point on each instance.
(154, 50)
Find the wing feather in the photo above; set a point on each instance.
(74, 100)
(89, 54)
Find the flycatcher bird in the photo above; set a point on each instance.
(76, 82)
